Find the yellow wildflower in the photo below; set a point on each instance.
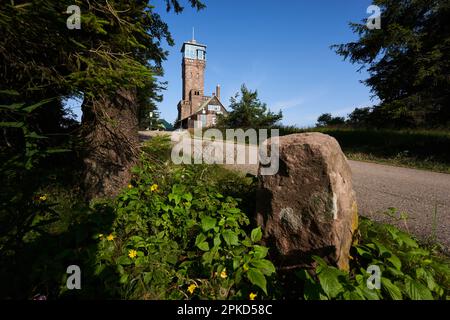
(191, 288)
(154, 187)
(43, 197)
(132, 253)
(252, 296)
(110, 237)
(223, 274)
(130, 186)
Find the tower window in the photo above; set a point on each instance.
(201, 54)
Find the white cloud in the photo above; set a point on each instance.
(287, 104)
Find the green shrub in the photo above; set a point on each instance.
(177, 236)
(180, 232)
(408, 271)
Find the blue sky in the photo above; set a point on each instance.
(280, 48)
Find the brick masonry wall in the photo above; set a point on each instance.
(193, 76)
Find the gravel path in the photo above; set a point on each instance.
(418, 193)
(424, 196)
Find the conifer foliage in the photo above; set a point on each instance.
(112, 62)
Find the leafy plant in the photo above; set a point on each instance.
(177, 236)
(408, 271)
(23, 209)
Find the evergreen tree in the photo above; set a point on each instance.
(112, 62)
(327, 120)
(408, 60)
(247, 111)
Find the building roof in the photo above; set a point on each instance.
(205, 104)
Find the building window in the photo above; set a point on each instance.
(202, 120)
(214, 120)
(190, 52)
(201, 54)
(212, 107)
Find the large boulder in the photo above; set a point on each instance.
(309, 206)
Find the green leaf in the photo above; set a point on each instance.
(57, 150)
(236, 262)
(257, 278)
(217, 240)
(77, 43)
(407, 240)
(230, 237)
(425, 275)
(395, 272)
(12, 107)
(358, 294)
(312, 290)
(265, 266)
(9, 92)
(173, 258)
(256, 234)
(174, 197)
(11, 124)
(330, 282)
(395, 261)
(208, 256)
(200, 238)
(260, 251)
(419, 252)
(393, 231)
(36, 105)
(124, 278)
(234, 210)
(34, 135)
(363, 252)
(123, 260)
(391, 289)
(353, 295)
(208, 223)
(203, 246)
(147, 277)
(201, 243)
(321, 264)
(382, 249)
(368, 293)
(238, 276)
(187, 196)
(246, 242)
(417, 291)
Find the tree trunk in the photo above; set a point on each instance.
(111, 143)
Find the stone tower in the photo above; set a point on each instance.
(196, 109)
(193, 75)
